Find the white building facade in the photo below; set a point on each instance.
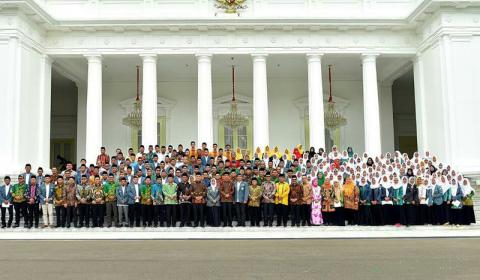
(67, 70)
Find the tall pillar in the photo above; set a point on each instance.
(315, 101)
(260, 101)
(371, 111)
(10, 94)
(44, 111)
(93, 138)
(149, 100)
(205, 114)
(81, 120)
(420, 118)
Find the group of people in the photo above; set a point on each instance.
(163, 186)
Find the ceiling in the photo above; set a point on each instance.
(184, 67)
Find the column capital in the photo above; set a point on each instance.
(148, 57)
(259, 56)
(93, 57)
(203, 57)
(314, 57)
(48, 59)
(369, 57)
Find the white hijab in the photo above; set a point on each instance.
(466, 188)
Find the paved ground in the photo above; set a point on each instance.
(448, 258)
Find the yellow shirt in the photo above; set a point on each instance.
(281, 195)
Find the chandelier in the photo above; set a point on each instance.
(333, 119)
(134, 118)
(233, 118)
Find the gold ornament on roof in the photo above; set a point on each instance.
(231, 6)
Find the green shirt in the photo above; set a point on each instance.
(146, 194)
(18, 192)
(170, 193)
(398, 194)
(110, 191)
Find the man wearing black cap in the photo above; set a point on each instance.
(32, 197)
(110, 189)
(268, 200)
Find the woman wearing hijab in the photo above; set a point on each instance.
(422, 214)
(311, 153)
(364, 214)
(411, 201)
(377, 213)
(447, 199)
(306, 201)
(429, 198)
(338, 203)
(328, 202)
(468, 215)
(456, 205)
(438, 209)
(213, 202)
(397, 197)
(316, 217)
(351, 197)
(387, 203)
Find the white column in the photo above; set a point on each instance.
(260, 101)
(81, 120)
(420, 118)
(386, 121)
(10, 93)
(149, 100)
(371, 112)
(205, 114)
(315, 101)
(93, 138)
(44, 112)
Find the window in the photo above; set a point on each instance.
(237, 138)
(161, 133)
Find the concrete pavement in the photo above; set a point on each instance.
(445, 258)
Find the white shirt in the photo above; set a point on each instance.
(47, 188)
(136, 190)
(7, 189)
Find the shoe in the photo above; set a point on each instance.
(4, 226)
(15, 225)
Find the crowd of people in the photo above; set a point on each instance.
(164, 186)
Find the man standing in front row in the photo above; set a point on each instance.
(281, 200)
(123, 198)
(110, 189)
(135, 207)
(240, 200)
(18, 195)
(84, 197)
(32, 197)
(6, 200)
(46, 200)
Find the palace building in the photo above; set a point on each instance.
(405, 75)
